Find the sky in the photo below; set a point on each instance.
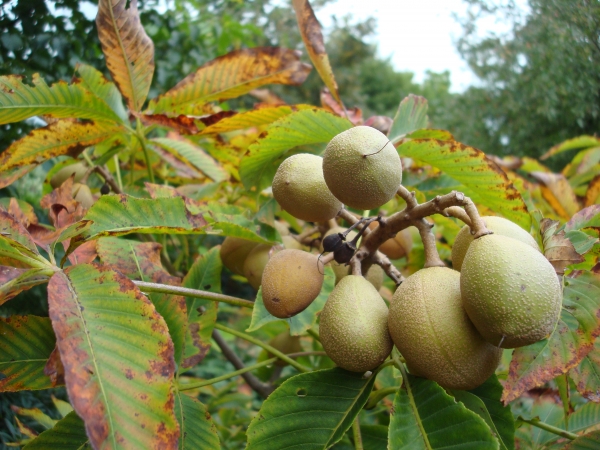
(418, 35)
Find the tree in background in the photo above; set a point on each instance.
(540, 80)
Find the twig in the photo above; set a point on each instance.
(458, 213)
(195, 293)
(104, 173)
(544, 426)
(391, 271)
(261, 388)
(432, 257)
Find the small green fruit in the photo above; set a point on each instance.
(433, 333)
(234, 252)
(353, 325)
(300, 189)
(510, 291)
(291, 280)
(498, 225)
(78, 170)
(362, 168)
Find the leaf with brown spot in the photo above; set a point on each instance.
(230, 76)
(216, 117)
(141, 261)
(572, 339)
(263, 115)
(198, 431)
(117, 356)
(328, 102)
(83, 254)
(14, 280)
(586, 376)
(20, 210)
(19, 101)
(481, 179)
(63, 209)
(192, 155)
(201, 314)
(558, 187)
(65, 137)
(310, 30)
(558, 249)
(128, 50)
(17, 247)
(26, 343)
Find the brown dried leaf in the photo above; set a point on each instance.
(181, 123)
(128, 50)
(592, 196)
(354, 115)
(64, 210)
(83, 254)
(558, 249)
(230, 76)
(54, 368)
(25, 218)
(310, 29)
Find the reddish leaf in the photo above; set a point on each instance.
(181, 123)
(64, 210)
(572, 339)
(117, 356)
(26, 217)
(83, 254)
(128, 50)
(14, 280)
(310, 29)
(354, 115)
(586, 218)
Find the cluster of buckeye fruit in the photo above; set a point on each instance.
(449, 325)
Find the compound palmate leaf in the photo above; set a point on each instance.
(67, 434)
(312, 410)
(230, 76)
(425, 417)
(19, 101)
(128, 50)
(26, 343)
(117, 357)
(309, 126)
(572, 339)
(481, 178)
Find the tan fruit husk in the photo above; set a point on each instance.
(362, 168)
(300, 189)
(286, 344)
(78, 170)
(498, 225)
(291, 280)
(234, 252)
(433, 333)
(353, 325)
(510, 291)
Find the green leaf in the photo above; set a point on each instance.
(300, 322)
(314, 409)
(572, 144)
(94, 81)
(141, 261)
(117, 356)
(67, 434)
(116, 215)
(590, 441)
(14, 280)
(428, 133)
(205, 274)
(582, 242)
(572, 339)
(19, 101)
(26, 343)
(481, 178)
(586, 376)
(128, 50)
(309, 126)
(230, 76)
(264, 115)
(193, 156)
(425, 417)
(64, 137)
(411, 116)
(198, 431)
(374, 437)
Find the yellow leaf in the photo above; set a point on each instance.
(230, 76)
(128, 50)
(65, 137)
(310, 29)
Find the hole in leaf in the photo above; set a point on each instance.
(301, 392)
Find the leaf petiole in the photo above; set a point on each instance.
(544, 426)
